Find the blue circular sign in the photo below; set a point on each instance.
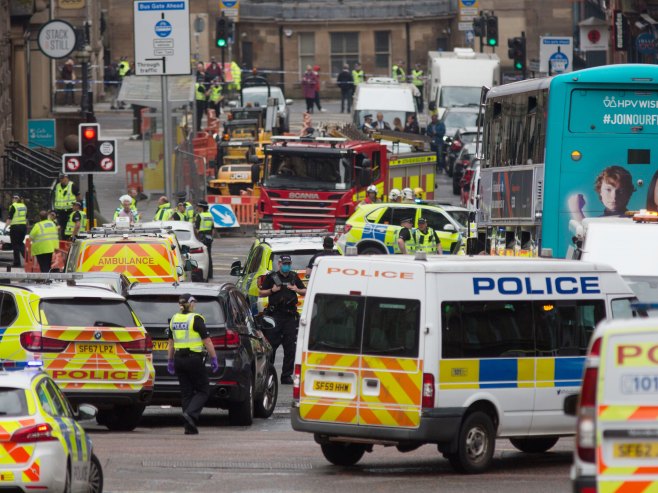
(468, 3)
(163, 28)
(559, 62)
(646, 43)
(231, 3)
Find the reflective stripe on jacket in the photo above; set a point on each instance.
(44, 237)
(416, 78)
(163, 213)
(70, 225)
(20, 213)
(410, 244)
(64, 197)
(425, 242)
(184, 336)
(207, 222)
(358, 76)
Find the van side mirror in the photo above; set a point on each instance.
(85, 412)
(449, 227)
(185, 249)
(570, 406)
(236, 268)
(191, 264)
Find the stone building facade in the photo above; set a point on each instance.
(5, 79)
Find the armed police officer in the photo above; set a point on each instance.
(282, 287)
(204, 224)
(188, 336)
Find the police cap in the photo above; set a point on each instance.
(285, 259)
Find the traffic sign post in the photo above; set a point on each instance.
(555, 54)
(223, 216)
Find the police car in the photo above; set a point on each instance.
(43, 446)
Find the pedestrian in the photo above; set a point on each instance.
(318, 82)
(255, 170)
(327, 249)
(164, 209)
(309, 84)
(204, 224)
(282, 287)
(411, 127)
(397, 72)
(436, 130)
(405, 238)
(126, 210)
(76, 221)
(426, 239)
(213, 70)
(418, 80)
(200, 90)
(380, 124)
(66, 192)
(68, 76)
(188, 336)
(111, 83)
(17, 219)
(124, 71)
(345, 82)
(44, 241)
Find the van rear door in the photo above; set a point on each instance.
(627, 409)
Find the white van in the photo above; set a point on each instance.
(388, 96)
(403, 351)
(617, 434)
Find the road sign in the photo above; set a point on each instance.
(465, 26)
(56, 39)
(224, 216)
(107, 164)
(41, 133)
(71, 164)
(96, 155)
(230, 9)
(162, 37)
(558, 51)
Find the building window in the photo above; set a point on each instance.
(383, 50)
(306, 51)
(344, 49)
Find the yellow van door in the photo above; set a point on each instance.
(626, 432)
(391, 374)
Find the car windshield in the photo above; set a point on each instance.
(86, 312)
(459, 96)
(468, 137)
(12, 402)
(460, 216)
(457, 119)
(308, 172)
(300, 259)
(258, 97)
(645, 288)
(245, 131)
(158, 309)
(183, 234)
(389, 116)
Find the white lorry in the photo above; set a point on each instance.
(455, 78)
(386, 96)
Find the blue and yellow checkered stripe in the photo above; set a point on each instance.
(509, 373)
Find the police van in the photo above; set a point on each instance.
(617, 436)
(403, 351)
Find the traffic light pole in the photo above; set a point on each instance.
(166, 130)
(524, 72)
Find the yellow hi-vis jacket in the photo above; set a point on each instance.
(44, 237)
(184, 336)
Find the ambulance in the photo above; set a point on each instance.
(454, 351)
(617, 427)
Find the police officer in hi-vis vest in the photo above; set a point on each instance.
(17, 219)
(204, 224)
(188, 336)
(66, 192)
(44, 241)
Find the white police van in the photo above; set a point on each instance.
(403, 351)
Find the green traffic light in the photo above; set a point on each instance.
(518, 66)
(492, 42)
(221, 43)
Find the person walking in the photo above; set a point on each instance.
(418, 80)
(204, 225)
(66, 192)
(282, 287)
(318, 85)
(436, 130)
(426, 239)
(188, 336)
(75, 223)
(405, 240)
(327, 249)
(345, 82)
(309, 84)
(44, 241)
(17, 219)
(164, 209)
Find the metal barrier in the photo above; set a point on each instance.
(244, 207)
(59, 257)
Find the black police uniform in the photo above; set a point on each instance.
(282, 307)
(322, 253)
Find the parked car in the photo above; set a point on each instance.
(257, 95)
(462, 161)
(116, 281)
(246, 383)
(190, 243)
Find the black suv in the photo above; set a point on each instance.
(246, 383)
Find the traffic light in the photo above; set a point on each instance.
(492, 30)
(221, 32)
(516, 51)
(95, 154)
(478, 26)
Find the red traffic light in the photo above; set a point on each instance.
(89, 133)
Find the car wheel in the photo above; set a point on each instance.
(121, 418)
(343, 454)
(266, 402)
(95, 475)
(371, 251)
(476, 442)
(534, 445)
(242, 413)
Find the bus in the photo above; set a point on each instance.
(559, 149)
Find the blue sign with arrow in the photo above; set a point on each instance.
(224, 216)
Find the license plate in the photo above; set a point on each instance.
(638, 450)
(160, 345)
(332, 386)
(95, 348)
(239, 176)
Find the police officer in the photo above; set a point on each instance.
(164, 209)
(17, 219)
(327, 249)
(188, 336)
(397, 72)
(282, 287)
(75, 222)
(43, 237)
(66, 192)
(200, 98)
(179, 213)
(215, 96)
(426, 239)
(405, 237)
(418, 81)
(189, 209)
(204, 224)
(358, 76)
